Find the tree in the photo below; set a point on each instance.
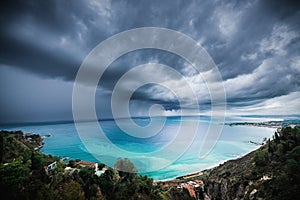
(37, 162)
(276, 137)
(72, 190)
(270, 148)
(107, 183)
(1, 148)
(89, 182)
(260, 158)
(72, 163)
(126, 168)
(12, 177)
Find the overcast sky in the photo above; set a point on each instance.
(255, 45)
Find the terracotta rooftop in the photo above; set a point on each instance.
(86, 163)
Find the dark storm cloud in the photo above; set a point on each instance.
(237, 31)
(49, 37)
(255, 44)
(255, 34)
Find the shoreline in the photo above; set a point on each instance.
(177, 177)
(201, 172)
(258, 145)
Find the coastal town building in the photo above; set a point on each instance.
(88, 164)
(51, 166)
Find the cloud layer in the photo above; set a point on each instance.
(255, 44)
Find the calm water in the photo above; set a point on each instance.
(65, 141)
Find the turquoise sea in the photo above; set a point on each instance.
(234, 141)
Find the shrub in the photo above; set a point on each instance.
(261, 158)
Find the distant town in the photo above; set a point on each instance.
(269, 124)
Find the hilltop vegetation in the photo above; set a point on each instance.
(23, 176)
(271, 172)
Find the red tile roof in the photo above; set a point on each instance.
(86, 163)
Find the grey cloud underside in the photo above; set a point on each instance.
(51, 39)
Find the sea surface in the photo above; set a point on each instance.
(233, 142)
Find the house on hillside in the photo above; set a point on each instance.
(51, 166)
(90, 164)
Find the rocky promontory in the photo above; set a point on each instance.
(271, 172)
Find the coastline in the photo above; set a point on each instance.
(197, 175)
(226, 174)
(201, 172)
(57, 137)
(258, 145)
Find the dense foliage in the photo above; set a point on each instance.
(23, 175)
(281, 160)
(271, 172)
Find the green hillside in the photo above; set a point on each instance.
(271, 172)
(24, 174)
